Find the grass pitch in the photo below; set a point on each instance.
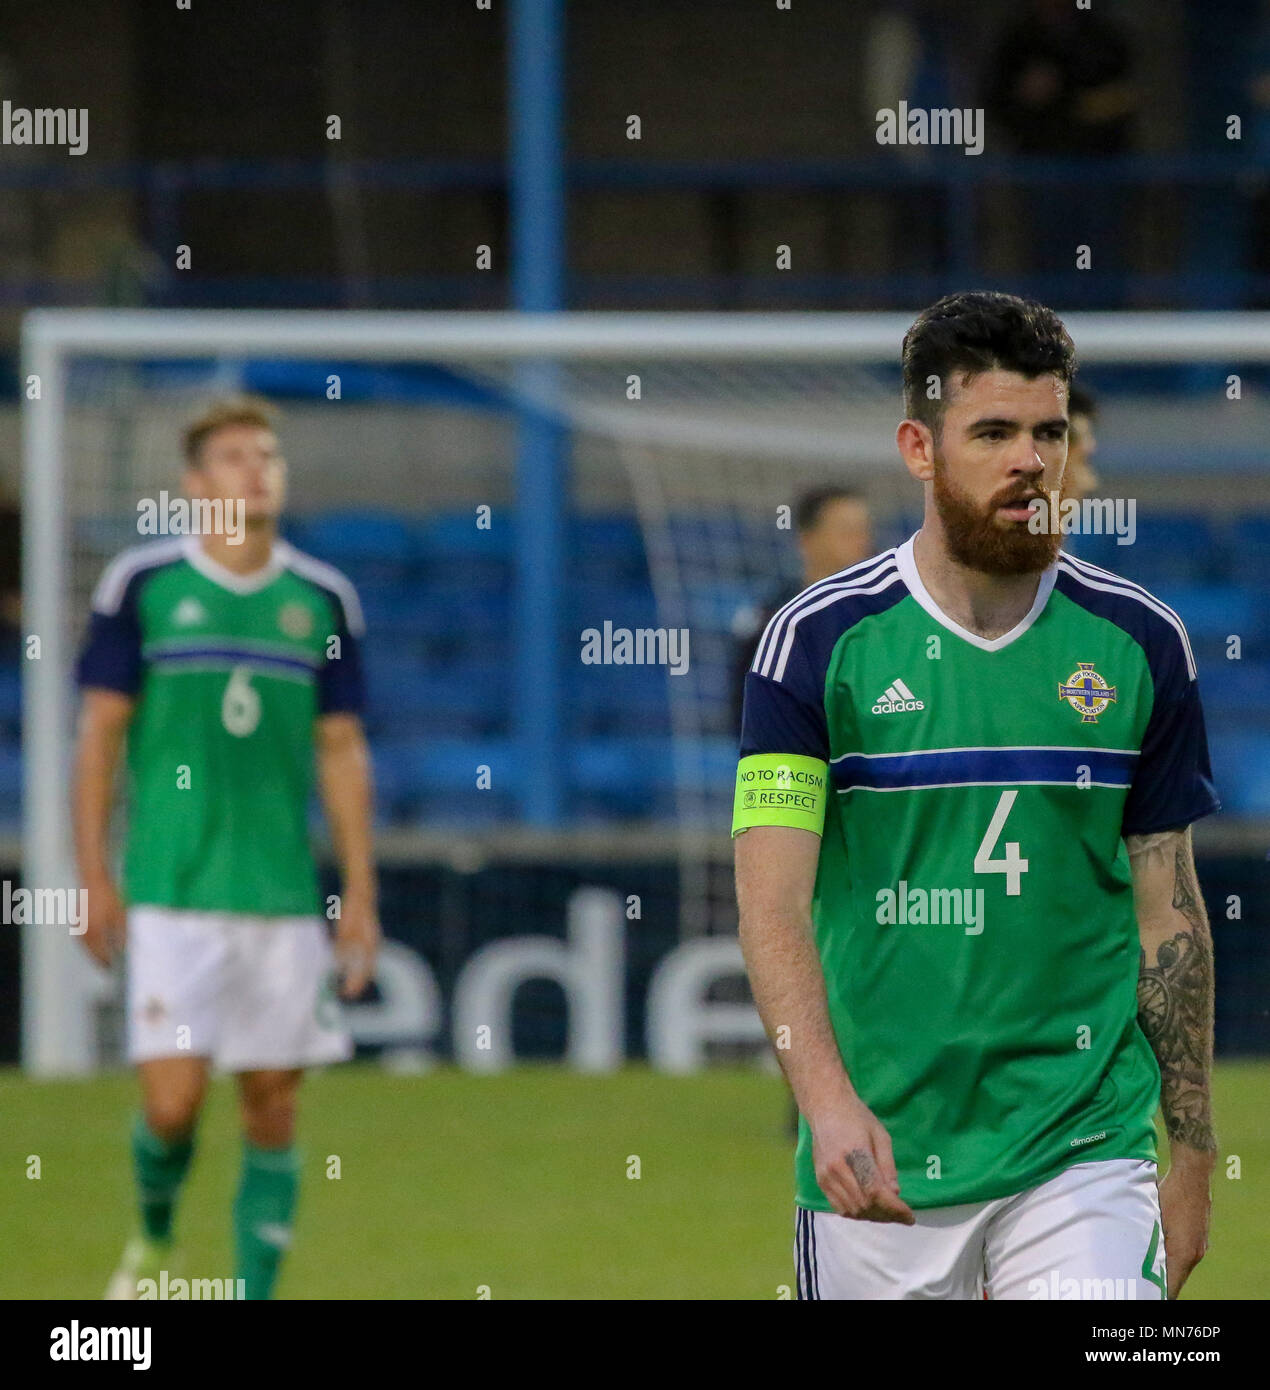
(523, 1183)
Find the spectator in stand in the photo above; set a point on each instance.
(1059, 84)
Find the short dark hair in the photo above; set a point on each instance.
(810, 507)
(1082, 401)
(976, 332)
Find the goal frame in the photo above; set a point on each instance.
(57, 983)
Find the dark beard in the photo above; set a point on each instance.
(978, 541)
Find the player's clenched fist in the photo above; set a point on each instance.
(357, 939)
(104, 921)
(854, 1165)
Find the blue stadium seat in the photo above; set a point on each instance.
(10, 702)
(394, 784)
(716, 605)
(609, 699)
(409, 696)
(623, 778)
(456, 615)
(380, 600)
(607, 547)
(1249, 552)
(451, 547)
(1097, 550)
(10, 785)
(711, 541)
(635, 777)
(1236, 692)
(1241, 770)
(369, 547)
(1212, 612)
(1169, 547)
(591, 605)
(433, 780)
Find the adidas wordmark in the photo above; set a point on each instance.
(896, 699)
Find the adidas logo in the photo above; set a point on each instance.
(897, 698)
(188, 612)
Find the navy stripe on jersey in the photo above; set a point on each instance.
(237, 656)
(1173, 783)
(112, 656)
(977, 767)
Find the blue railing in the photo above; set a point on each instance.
(1208, 259)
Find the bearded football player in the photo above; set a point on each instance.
(968, 901)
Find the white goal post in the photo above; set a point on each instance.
(57, 983)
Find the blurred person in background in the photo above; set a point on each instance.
(1080, 479)
(230, 655)
(834, 532)
(911, 54)
(1059, 84)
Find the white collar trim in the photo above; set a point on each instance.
(908, 573)
(226, 578)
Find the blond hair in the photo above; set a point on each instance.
(231, 410)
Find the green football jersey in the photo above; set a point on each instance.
(973, 904)
(229, 673)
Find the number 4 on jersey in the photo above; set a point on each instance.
(1012, 866)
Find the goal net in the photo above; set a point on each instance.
(689, 439)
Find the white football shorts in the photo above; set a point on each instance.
(250, 993)
(1093, 1232)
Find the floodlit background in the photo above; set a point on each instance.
(649, 156)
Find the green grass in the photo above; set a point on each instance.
(519, 1182)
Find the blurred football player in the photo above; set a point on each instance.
(229, 664)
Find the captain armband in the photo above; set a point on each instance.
(780, 789)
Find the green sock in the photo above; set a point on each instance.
(160, 1167)
(262, 1215)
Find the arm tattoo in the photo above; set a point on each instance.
(1175, 1011)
